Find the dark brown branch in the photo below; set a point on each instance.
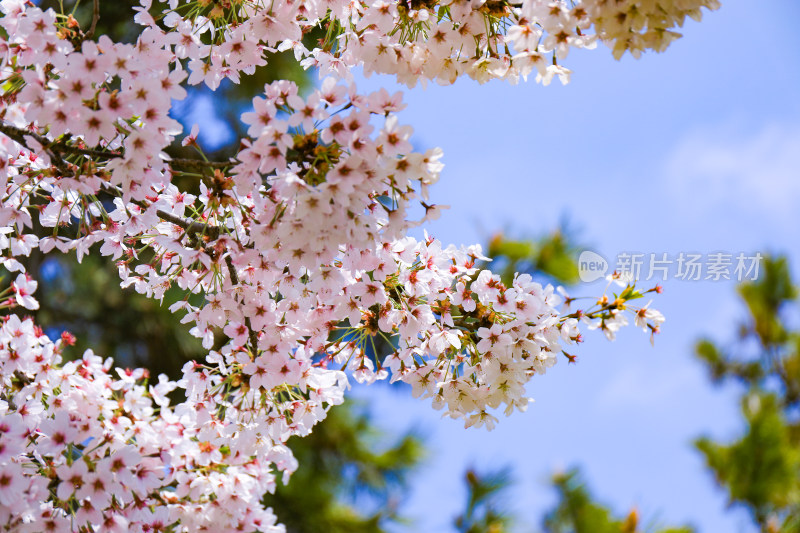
(14, 133)
(18, 135)
(199, 163)
(252, 337)
(95, 18)
(192, 227)
(232, 270)
(57, 148)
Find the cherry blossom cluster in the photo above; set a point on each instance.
(306, 232)
(413, 39)
(84, 447)
(118, 93)
(638, 25)
(302, 230)
(296, 250)
(464, 339)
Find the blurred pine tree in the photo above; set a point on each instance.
(761, 469)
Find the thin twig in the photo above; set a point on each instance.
(192, 226)
(95, 18)
(19, 134)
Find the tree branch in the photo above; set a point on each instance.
(199, 163)
(252, 337)
(18, 135)
(191, 226)
(57, 148)
(95, 18)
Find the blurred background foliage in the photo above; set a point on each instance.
(485, 510)
(578, 512)
(353, 477)
(760, 470)
(349, 479)
(552, 258)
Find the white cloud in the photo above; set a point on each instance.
(749, 171)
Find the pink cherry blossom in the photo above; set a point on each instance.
(297, 247)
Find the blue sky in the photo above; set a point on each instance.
(694, 150)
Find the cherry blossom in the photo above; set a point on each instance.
(299, 246)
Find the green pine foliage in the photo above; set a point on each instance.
(552, 256)
(352, 477)
(484, 511)
(760, 469)
(578, 512)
